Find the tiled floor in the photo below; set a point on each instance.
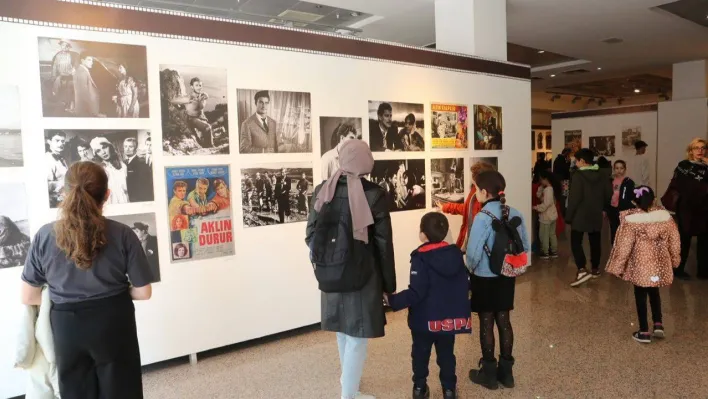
(569, 343)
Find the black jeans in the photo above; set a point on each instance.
(97, 349)
(701, 253)
(445, 352)
(613, 216)
(576, 245)
(640, 296)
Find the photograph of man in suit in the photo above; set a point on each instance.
(383, 135)
(86, 96)
(56, 165)
(139, 180)
(149, 244)
(258, 133)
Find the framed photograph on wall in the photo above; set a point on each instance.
(10, 128)
(631, 135)
(144, 226)
(126, 156)
(14, 225)
(334, 132)
(449, 126)
(488, 129)
(573, 140)
(274, 121)
(93, 79)
(396, 126)
(603, 146)
(403, 181)
(539, 141)
(448, 180)
(549, 141)
(195, 116)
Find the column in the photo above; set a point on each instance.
(473, 27)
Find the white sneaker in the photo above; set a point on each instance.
(360, 395)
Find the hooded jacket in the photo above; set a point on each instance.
(590, 193)
(646, 249)
(438, 294)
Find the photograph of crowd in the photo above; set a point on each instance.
(603, 146)
(573, 140)
(144, 227)
(274, 121)
(276, 195)
(199, 212)
(10, 132)
(195, 118)
(448, 176)
(403, 181)
(93, 79)
(334, 132)
(449, 126)
(494, 161)
(631, 135)
(396, 126)
(487, 127)
(14, 225)
(126, 156)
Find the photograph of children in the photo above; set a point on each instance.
(494, 161)
(603, 146)
(448, 176)
(276, 194)
(195, 118)
(14, 225)
(630, 135)
(573, 140)
(10, 133)
(199, 212)
(274, 121)
(396, 126)
(93, 79)
(334, 132)
(143, 225)
(126, 156)
(449, 126)
(487, 127)
(403, 181)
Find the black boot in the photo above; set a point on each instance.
(421, 393)
(449, 394)
(505, 374)
(486, 376)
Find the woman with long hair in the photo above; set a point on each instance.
(126, 97)
(94, 268)
(115, 168)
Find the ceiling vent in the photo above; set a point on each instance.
(300, 16)
(576, 72)
(613, 40)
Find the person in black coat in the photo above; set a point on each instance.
(561, 168)
(149, 244)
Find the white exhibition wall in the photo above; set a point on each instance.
(611, 125)
(267, 286)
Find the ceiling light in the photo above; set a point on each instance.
(541, 51)
(354, 14)
(637, 91)
(599, 68)
(553, 76)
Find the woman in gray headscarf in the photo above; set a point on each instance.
(357, 316)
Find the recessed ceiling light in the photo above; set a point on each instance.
(541, 51)
(599, 68)
(553, 76)
(637, 91)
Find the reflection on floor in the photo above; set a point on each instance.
(569, 343)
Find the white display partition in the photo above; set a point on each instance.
(268, 286)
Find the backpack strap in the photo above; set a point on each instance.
(486, 212)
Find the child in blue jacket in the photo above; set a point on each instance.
(438, 298)
(492, 295)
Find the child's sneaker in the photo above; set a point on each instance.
(596, 273)
(581, 277)
(554, 255)
(642, 337)
(449, 394)
(545, 256)
(421, 393)
(659, 330)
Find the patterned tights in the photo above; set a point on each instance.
(486, 334)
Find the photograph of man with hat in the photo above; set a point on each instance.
(63, 68)
(149, 244)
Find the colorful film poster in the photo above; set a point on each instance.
(449, 126)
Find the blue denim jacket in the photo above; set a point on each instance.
(481, 233)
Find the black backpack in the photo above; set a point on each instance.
(507, 256)
(341, 263)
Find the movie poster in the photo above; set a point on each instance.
(195, 117)
(573, 141)
(274, 121)
(144, 227)
(396, 126)
(199, 212)
(93, 79)
(603, 146)
(403, 181)
(10, 133)
(631, 135)
(14, 225)
(276, 194)
(539, 140)
(488, 130)
(448, 185)
(334, 132)
(449, 126)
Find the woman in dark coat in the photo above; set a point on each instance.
(359, 315)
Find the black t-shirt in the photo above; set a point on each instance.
(121, 262)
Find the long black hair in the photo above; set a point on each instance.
(644, 197)
(495, 184)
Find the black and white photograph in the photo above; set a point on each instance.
(10, 128)
(143, 225)
(14, 225)
(488, 130)
(195, 118)
(448, 175)
(276, 194)
(603, 146)
(93, 79)
(126, 156)
(274, 121)
(396, 126)
(631, 135)
(403, 181)
(494, 161)
(334, 132)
